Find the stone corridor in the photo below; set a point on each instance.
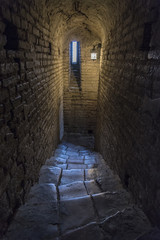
(89, 68)
(78, 197)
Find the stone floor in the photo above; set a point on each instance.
(78, 197)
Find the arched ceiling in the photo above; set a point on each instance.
(94, 17)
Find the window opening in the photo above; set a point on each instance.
(74, 52)
(75, 67)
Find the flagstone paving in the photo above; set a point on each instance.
(78, 197)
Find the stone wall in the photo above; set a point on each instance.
(80, 105)
(128, 126)
(30, 101)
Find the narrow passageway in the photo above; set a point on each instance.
(78, 197)
(70, 69)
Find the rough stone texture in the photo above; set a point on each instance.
(72, 190)
(109, 203)
(121, 225)
(92, 187)
(76, 212)
(42, 193)
(34, 41)
(50, 174)
(79, 209)
(36, 222)
(30, 100)
(72, 175)
(128, 126)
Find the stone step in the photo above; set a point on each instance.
(72, 190)
(81, 166)
(78, 209)
(92, 187)
(72, 175)
(76, 159)
(35, 221)
(127, 224)
(72, 162)
(78, 197)
(60, 163)
(76, 212)
(55, 160)
(78, 189)
(42, 193)
(108, 203)
(50, 174)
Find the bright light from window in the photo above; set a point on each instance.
(74, 52)
(93, 56)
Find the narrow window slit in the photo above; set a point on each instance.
(75, 67)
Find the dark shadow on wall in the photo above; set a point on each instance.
(12, 36)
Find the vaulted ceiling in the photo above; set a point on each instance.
(82, 17)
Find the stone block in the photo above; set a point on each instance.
(72, 190)
(77, 166)
(83, 213)
(50, 174)
(109, 203)
(92, 187)
(42, 193)
(69, 176)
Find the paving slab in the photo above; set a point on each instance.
(51, 161)
(62, 166)
(85, 152)
(60, 151)
(90, 161)
(54, 160)
(91, 174)
(50, 174)
(75, 213)
(89, 157)
(72, 153)
(89, 232)
(80, 148)
(79, 209)
(76, 157)
(92, 187)
(75, 160)
(62, 147)
(69, 145)
(60, 155)
(77, 166)
(36, 222)
(69, 176)
(42, 193)
(72, 150)
(60, 160)
(109, 183)
(109, 203)
(127, 224)
(72, 190)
